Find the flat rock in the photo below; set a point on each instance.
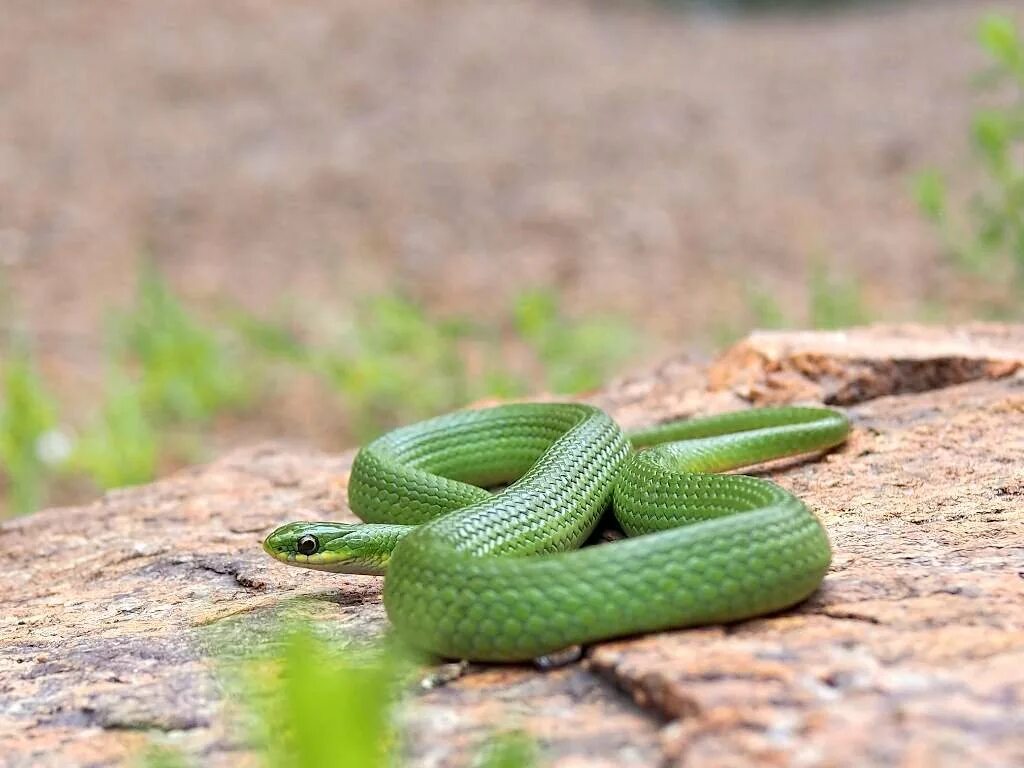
(911, 653)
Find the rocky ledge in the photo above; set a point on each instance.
(911, 653)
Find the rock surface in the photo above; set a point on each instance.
(912, 653)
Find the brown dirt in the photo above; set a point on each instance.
(642, 160)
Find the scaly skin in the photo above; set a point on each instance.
(499, 577)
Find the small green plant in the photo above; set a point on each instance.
(390, 362)
(834, 301)
(765, 309)
(575, 355)
(166, 368)
(271, 339)
(186, 371)
(313, 704)
(987, 240)
(28, 432)
(308, 703)
(325, 708)
(393, 364)
(161, 757)
(120, 446)
(508, 749)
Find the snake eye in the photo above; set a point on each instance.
(307, 545)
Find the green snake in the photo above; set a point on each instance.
(472, 573)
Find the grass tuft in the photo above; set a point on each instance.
(186, 371)
(315, 703)
(984, 240)
(170, 374)
(28, 431)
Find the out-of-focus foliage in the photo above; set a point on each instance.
(508, 749)
(166, 369)
(575, 355)
(392, 362)
(833, 301)
(985, 237)
(313, 704)
(764, 309)
(389, 361)
(320, 708)
(727, 6)
(29, 441)
(120, 445)
(186, 371)
(162, 757)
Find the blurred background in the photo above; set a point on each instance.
(228, 222)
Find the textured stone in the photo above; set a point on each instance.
(912, 653)
(847, 367)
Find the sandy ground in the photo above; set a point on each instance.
(640, 160)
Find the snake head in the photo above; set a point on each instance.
(335, 547)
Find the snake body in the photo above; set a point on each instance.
(500, 577)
